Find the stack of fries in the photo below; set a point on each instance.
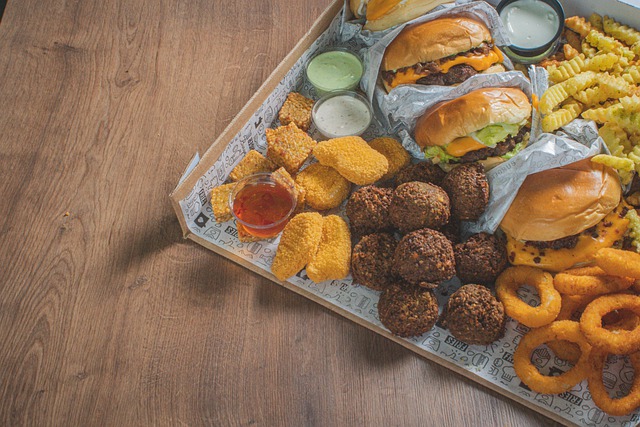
(599, 80)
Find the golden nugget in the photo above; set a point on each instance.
(298, 244)
(325, 188)
(395, 153)
(353, 158)
(333, 258)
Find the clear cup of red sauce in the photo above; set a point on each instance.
(262, 204)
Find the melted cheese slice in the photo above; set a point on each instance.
(556, 260)
(461, 146)
(478, 62)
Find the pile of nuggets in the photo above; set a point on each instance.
(404, 217)
(585, 315)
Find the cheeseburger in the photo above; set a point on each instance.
(384, 14)
(442, 52)
(490, 123)
(562, 216)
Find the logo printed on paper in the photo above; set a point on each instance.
(456, 343)
(571, 398)
(201, 220)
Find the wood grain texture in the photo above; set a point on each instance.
(107, 316)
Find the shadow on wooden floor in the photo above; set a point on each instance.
(3, 4)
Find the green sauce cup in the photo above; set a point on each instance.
(334, 69)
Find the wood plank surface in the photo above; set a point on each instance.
(107, 316)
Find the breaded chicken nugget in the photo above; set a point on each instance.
(296, 109)
(353, 158)
(220, 202)
(289, 146)
(298, 244)
(333, 258)
(325, 188)
(253, 162)
(395, 153)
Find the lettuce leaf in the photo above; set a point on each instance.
(519, 147)
(489, 135)
(493, 134)
(439, 155)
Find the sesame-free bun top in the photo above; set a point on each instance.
(461, 116)
(563, 201)
(433, 40)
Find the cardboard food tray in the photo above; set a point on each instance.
(491, 366)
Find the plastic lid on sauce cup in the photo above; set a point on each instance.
(533, 53)
(342, 113)
(272, 228)
(334, 69)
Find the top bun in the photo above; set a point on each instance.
(433, 40)
(383, 14)
(453, 119)
(563, 201)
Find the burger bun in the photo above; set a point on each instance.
(561, 202)
(432, 40)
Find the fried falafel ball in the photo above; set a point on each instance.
(424, 257)
(423, 172)
(368, 209)
(468, 190)
(372, 260)
(416, 205)
(473, 315)
(407, 310)
(452, 230)
(480, 259)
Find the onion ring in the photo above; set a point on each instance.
(599, 393)
(618, 262)
(589, 281)
(572, 308)
(571, 305)
(529, 374)
(512, 279)
(623, 320)
(617, 341)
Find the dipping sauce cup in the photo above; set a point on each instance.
(334, 69)
(534, 27)
(262, 205)
(342, 113)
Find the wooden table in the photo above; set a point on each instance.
(109, 317)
